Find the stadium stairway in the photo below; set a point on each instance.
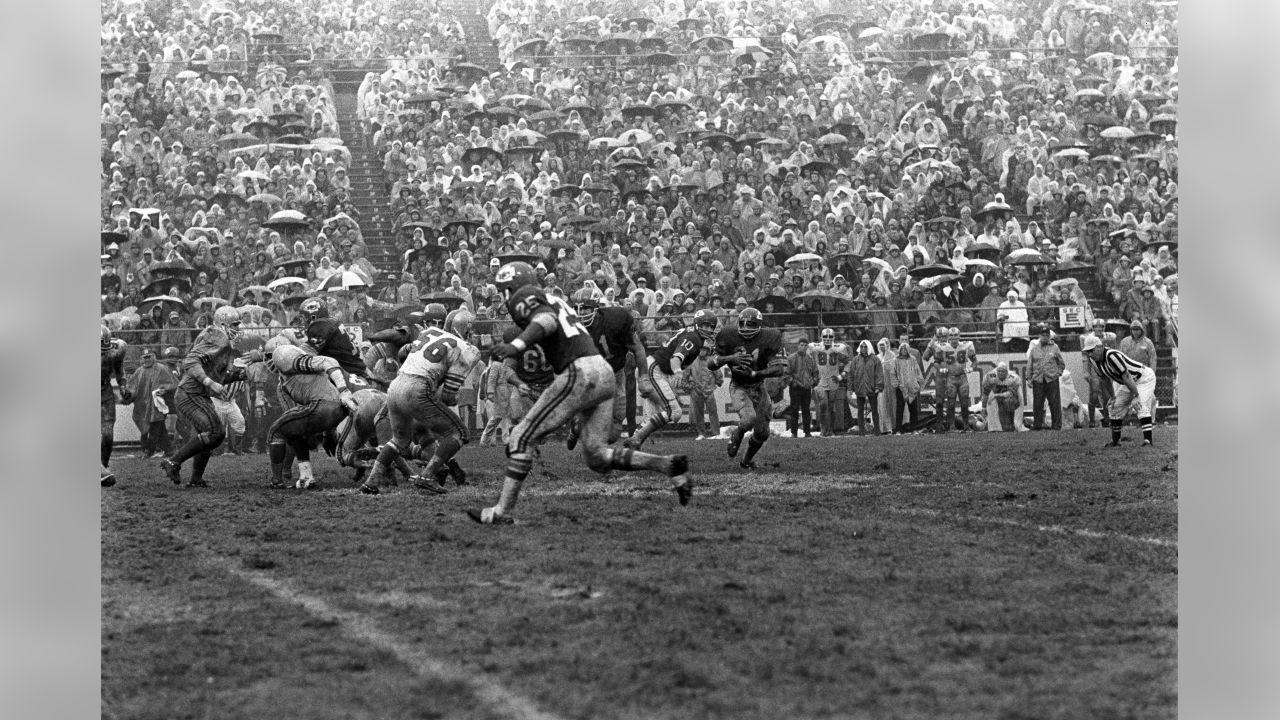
(369, 191)
(481, 49)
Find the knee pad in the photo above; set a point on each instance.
(600, 459)
(520, 462)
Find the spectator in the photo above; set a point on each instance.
(1045, 366)
(867, 381)
(802, 373)
(1002, 396)
(1138, 346)
(148, 384)
(907, 380)
(1014, 321)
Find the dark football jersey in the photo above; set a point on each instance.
(687, 344)
(113, 363)
(765, 347)
(532, 367)
(611, 331)
(568, 341)
(337, 345)
(210, 355)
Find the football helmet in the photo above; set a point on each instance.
(513, 276)
(828, 337)
(434, 315)
(106, 338)
(705, 323)
(585, 304)
(750, 320)
(228, 319)
(459, 322)
(311, 310)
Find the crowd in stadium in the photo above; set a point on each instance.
(919, 165)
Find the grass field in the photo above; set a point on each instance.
(1029, 575)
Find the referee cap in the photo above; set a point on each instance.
(1089, 342)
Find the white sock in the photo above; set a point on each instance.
(304, 472)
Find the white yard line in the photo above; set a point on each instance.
(1054, 529)
(361, 627)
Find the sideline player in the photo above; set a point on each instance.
(583, 386)
(614, 331)
(661, 404)
(207, 371)
(428, 382)
(112, 367)
(753, 353)
(952, 360)
(833, 395)
(1133, 382)
(318, 387)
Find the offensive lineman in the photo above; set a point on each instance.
(614, 331)
(1133, 382)
(112, 367)
(318, 387)
(753, 352)
(833, 396)
(427, 384)
(206, 374)
(661, 404)
(583, 387)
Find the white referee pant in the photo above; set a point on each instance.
(1145, 400)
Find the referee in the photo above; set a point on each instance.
(1133, 381)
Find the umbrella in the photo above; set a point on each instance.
(715, 138)
(286, 220)
(527, 135)
(1163, 119)
(477, 155)
(921, 71)
(188, 75)
(111, 236)
(712, 43)
(1077, 153)
(300, 264)
(518, 257)
(615, 44)
(630, 165)
(530, 47)
(979, 249)
(1155, 245)
(169, 301)
(578, 220)
(163, 285)
(941, 220)
(467, 223)
(1100, 57)
(799, 258)
(566, 190)
(642, 23)
(292, 140)
(604, 143)
(469, 69)
(264, 198)
(845, 259)
(773, 304)
(818, 166)
(1071, 265)
(343, 280)
(1117, 132)
(654, 43)
(293, 300)
(410, 226)
(235, 140)
(253, 175)
(1068, 282)
(823, 300)
(673, 104)
(635, 111)
(1026, 256)
(226, 199)
(563, 135)
(933, 270)
(636, 136)
(935, 281)
(1106, 158)
(870, 32)
(993, 211)
(450, 302)
(210, 300)
(690, 23)
(285, 281)
(661, 58)
(979, 262)
(879, 263)
(1089, 93)
(546, 116)
(256, 290)
(832, 139)
(753, 54)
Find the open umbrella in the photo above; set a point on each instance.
(661, 58)
(635, 135)
(167, 301)
(1117, 132)
(801, 258)
(285, 282)
(567, 190)
(870, 32)
(1026, 256)
(530, 47)
(1069, 282)
(111, 236)
(655, 44)
(935, 281)
(880, 263)
(287, 220)
(343, 280)
(253, 175)
(477, 155)
(469, 70)
(210, 300)
(1072, 152)
(519, 257)
(467, 223)
(770, 304)
(818, 166)
(1164, 120)
(713, 43)
(1089, 93)
(265, 198)
(832, 139)
(564, 135)
(932, 270)
(941, 220)
(822, 300)
(257, 290)
(979, 262)
(1106, 159)
(981, 249)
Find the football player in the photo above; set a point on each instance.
(322, 397)
(206, 372)
(428, 382)
(1134, 383)
(953, 361)
(753, 353)
(660, 402)
(361, 432)
(614, 331)
(381, 360)
(832, 391)
(112, 368)
(583, 386)
(324, 334)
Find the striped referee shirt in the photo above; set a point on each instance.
(1115, 365)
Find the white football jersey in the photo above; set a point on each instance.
(437, 354)
(831, 362)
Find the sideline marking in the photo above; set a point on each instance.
(495, 696)
(1055, 529)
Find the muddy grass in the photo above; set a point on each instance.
(964, 576)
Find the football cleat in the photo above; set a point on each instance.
(172, 470)
(197, 482)
(1146, 443)
(107, 477)
(367, 489)
(487, 517)
(748, 464)
(735, 442)
(309, 484)
(575, 431)
(428, 483)
(680, 474)
(1112, 443)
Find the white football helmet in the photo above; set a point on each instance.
(828, 337)
(228, 319)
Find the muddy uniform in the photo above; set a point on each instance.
(686, 346)
(747, 394)
(831, 393)
(612, 331)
